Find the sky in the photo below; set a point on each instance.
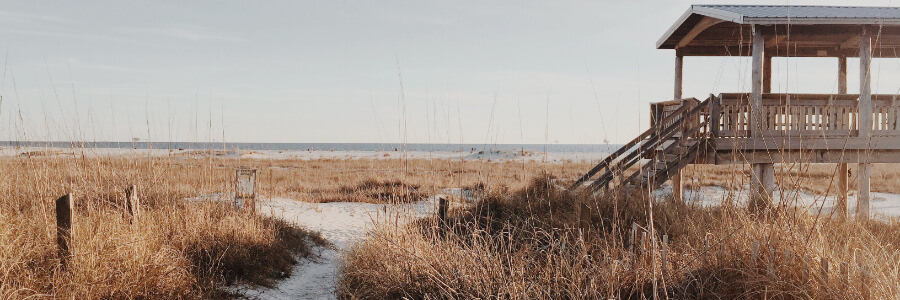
(389, 71)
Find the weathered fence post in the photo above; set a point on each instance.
(806, 269)
(442, 209)
(245, 189)
(824, 270)
(584, 215)
(132, 203)
(864, 282)
(643, 248)
(845, 276)
(664, 254)
(633, 236)
(754, 252)
(64, 228)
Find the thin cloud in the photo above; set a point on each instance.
(188, 33)
(79, 36)
(77, 63)
(20, 17)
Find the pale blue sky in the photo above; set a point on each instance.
(330, 71)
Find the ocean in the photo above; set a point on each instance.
(549, 148)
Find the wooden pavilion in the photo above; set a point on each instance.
(762, 128)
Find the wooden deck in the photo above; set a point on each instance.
(816, 128)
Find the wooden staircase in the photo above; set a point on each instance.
(669, 145)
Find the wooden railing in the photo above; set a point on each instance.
(809, 115)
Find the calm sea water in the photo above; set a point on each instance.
(567, 148)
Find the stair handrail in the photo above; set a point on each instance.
(605, 162)
(667, 132)
(654, 135)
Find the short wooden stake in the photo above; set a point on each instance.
(442, 210)
(864, 282)
(132, 203)
(643, 241)
(845, 276)
(770, 262)
(633, 236)
(64, 228)
(806, 269)
(585, 215)
(823, 263)
(754, 253)
(664, 254)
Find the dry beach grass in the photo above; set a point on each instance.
(518, 242)
(175, 249)
(527, 245)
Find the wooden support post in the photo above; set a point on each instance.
(132, 203)
(677, 182)
(679, 66)
(758, 49)
(865, 121)
(714, 111)
(843, 171)
(823, 265)
(64, 228)
(760, 190)
(767, 74)
(762, 184)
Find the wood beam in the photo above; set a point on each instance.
(726, 157)
(701, 26)
(808, 142)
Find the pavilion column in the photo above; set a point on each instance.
(865, 122)
(677, 184)
(843, 173)
(762, 177)
(767, 73)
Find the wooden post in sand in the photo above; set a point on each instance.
(442, 210)
(64, 228)
(245, 189)
(132, 203)
(845, 276)
(664, 255)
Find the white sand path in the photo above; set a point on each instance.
(342, 224)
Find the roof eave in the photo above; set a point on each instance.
(662, 40)
(821, 21)
(700, 10)
(719, 14)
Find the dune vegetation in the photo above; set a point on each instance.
(173, 249)
(531, 244)
(520, 239)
